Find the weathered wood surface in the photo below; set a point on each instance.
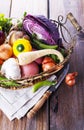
(70, 115)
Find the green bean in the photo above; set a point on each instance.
(41, 45)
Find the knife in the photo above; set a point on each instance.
(76, 25)
(47, 94)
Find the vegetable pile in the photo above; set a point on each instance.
(32, 48)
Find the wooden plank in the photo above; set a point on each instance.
(34, 7)
(56, 8)
(5, 7)
(70, 113)
(63, 7)
(70, 100)
(42, 118)
(39, 121)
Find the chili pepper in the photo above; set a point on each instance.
(21, 45)
(42, 83)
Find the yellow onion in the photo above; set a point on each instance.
(70, 79)
(5, 51)
(47, 63)
(16, 35)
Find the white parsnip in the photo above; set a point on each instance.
(28, 57)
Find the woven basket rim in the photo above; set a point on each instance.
(25, 82)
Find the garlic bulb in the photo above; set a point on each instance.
(11, 69)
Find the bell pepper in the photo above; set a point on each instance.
(21, 45)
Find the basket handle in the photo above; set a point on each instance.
(39, 104)
(74, 21)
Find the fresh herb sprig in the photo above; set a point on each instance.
(4, 82)
(20, 21)
(5, 23)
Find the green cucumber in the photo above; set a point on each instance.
(41, 84)
(41, 45)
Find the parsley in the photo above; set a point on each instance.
(5, 23)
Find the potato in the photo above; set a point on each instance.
(29, 70)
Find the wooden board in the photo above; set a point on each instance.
(34, 7)
(70, 114)
(5, 6)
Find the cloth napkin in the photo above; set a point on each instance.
(16, 103)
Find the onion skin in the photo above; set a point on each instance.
(16, 35)
(5, 51)
(47, 63)
(70, 79)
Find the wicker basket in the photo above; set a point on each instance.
(68, 44)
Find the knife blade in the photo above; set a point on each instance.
(47, 94)
(77, 26)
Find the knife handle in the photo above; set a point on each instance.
(39, 104)
(74, 21)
